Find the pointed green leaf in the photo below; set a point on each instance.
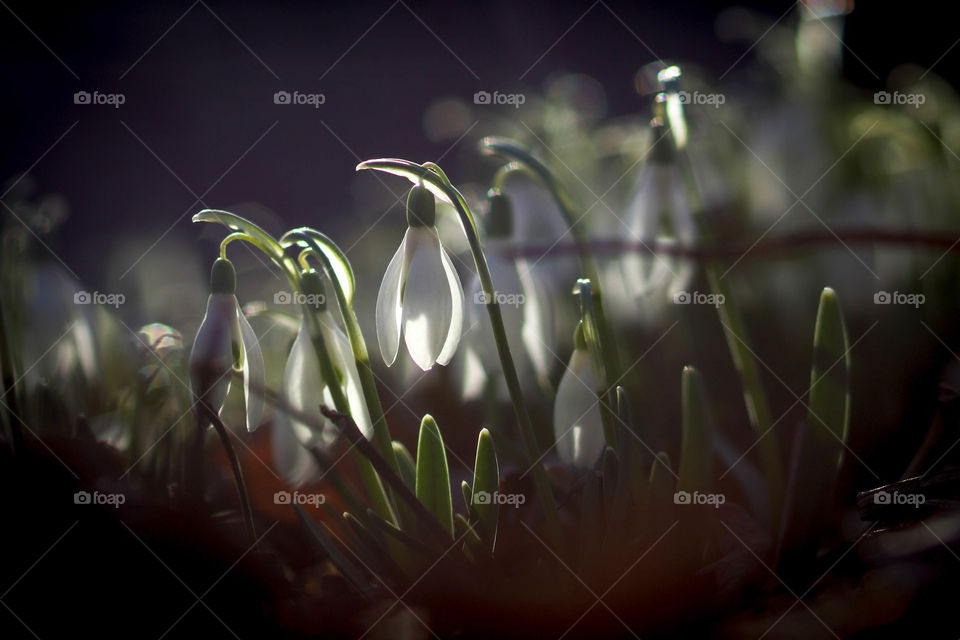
(408, 469)
(486, 483)
(829, 408)
(696, 452)
(819, 441)
(433, 474)
(467, 496)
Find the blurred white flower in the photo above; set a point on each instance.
(577, 423)
(421, 292)
(659, 210)
(524, 306)
(305, 389)
(225, 342)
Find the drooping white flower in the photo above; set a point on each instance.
(524, 306)
(577, 422)
(226, 342)
(305, 389)
(420, 296)
(659, 210)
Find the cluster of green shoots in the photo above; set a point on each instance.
(404, 517)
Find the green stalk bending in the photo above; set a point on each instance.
(433, 178)
(368, 475)
(311, 238)
(734, 331)
(525, 161)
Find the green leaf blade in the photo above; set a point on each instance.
(433, 474)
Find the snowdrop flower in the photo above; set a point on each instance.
(225, 342)
(305, 388)
(421, 292)
(524, 306)
(577, 423)
(658, 208)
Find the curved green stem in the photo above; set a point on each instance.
(432, 177)
(525, 162)
(369, 476)
(734, 330)
(250, 232)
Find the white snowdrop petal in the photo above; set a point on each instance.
(577, 423)
(254, 375)
(211, 358)
(290, 459)
(303, 386)
(389, 311)
(342, 356)
(455, 329)
(473, 373)
(539, 333)
(510, 295)
(427, 303)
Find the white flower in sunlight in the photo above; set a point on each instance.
(577, 423)
(659, 210)
(524, 305)
(421, 292)
(305, 389)
(225, 342)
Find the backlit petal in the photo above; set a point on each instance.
(254, 377)
(211, 358)
(577, 424)
(389, 312)
(428, 301)
(455, 331)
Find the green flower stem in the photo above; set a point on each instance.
(436, 181)
(361, 355)
(245, 230)
(368, 475)
(734, 330)
(245, 509)
(252, 233)
(523, 160)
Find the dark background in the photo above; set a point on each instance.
(199, 122)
